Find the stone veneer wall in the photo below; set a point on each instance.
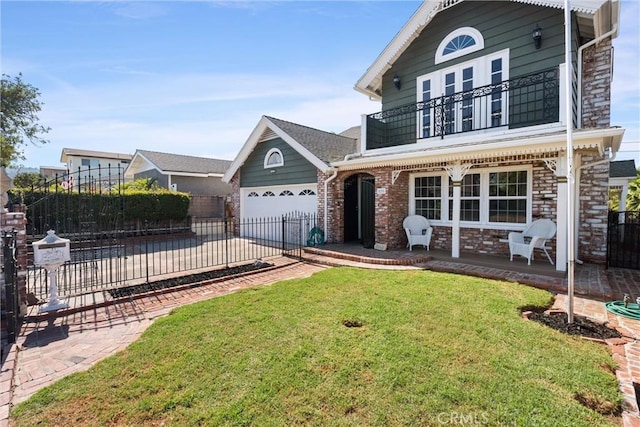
(235, 201)
(596, 85)
(594, 209)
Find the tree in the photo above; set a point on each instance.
(19, 122)
(633, 196)
(27, 179)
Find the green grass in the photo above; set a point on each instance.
(433, 349)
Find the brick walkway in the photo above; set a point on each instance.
(51, 348)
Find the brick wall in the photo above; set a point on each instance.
(596, 85)
(392, 205)
(235, 201)
(593, 206)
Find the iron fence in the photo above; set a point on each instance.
(623, 240)
(523, 101)
(104, 259)
(11, 303)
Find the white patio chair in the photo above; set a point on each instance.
(418, 231)
(534, 236)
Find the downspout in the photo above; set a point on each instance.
(579, 170)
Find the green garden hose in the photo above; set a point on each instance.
(632, 310)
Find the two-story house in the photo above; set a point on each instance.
(474, 127)
(94, 169)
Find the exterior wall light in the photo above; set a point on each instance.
(396, 82)
(537, 36)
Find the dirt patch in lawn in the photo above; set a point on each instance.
(187, 279)
(580, 326)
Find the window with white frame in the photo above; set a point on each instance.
(457, 43)
(273, 159)
(469, 198)
(508, 196)
(428, 196)
(497, 196)
(451, 91)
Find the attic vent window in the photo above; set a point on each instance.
(458, 43)
(273, 159)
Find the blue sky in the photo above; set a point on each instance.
(194, 77)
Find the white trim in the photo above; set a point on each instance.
(269, 154)
(522, 144)
(464, 31)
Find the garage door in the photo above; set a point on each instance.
(260, 202)
(274, 202)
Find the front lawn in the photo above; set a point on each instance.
(345, 347)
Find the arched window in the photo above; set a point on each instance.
(459, 43)
(273, 159)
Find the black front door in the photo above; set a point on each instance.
(359, 209)
(351, 209)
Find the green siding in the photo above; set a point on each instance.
(296, 169)
(503, 25)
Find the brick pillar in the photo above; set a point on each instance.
(235, 201)
(593, 208)
(596, 85)
(9, 222)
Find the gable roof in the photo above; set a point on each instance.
(601, 14)
(319, 147)
(623, 169)
(176, 164)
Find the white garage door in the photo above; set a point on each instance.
(273, 202)
(260, 202)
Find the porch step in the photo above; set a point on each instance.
(384, 258)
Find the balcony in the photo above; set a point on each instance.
(529, 100)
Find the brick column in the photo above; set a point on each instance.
(9, 222)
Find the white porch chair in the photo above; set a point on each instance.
(418, 231)
(534, 236)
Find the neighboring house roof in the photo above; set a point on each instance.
(319, 147)
(623, 169)
(175, 164)
(601, 15)
(78, 152)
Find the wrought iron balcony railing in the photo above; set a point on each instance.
(528, 100)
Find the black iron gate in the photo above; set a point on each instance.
(11, 295)
(623, 240)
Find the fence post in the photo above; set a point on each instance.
(146, 248)
(226, 240)
(10, 278)
(284, 237)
